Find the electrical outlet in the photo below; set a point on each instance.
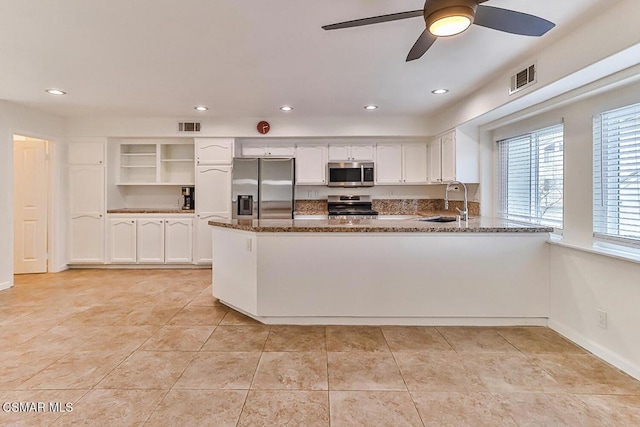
(602, 319)
(249, 244)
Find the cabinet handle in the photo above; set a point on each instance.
(133, 222)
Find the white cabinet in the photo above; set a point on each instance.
(150, 241)
(453, 156)
(213, 191)
(86, 153)
(266, 150)
(214, 151)
(311, 165)
(354, 152)
(153, 163)
(86, 184)
(401, 164)
(122, 241)
(388, 164)
(178, 244)
(213, 201)
(86, 239)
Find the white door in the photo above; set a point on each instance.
(435, 161)
(150, 237)
(311, 165)
(177, 241)
(415, 163)
(30, 206)
(122, 240)
(362, 152)
(388, 164)
(213, 191)
(449, 157)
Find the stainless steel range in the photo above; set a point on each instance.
(351, 207)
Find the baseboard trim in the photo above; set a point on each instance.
(603, 353)
(140, 266)
(5, 285)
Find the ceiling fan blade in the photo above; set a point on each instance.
(374, 20)
(421, 45)
(511, 21)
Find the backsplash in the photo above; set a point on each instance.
(392, 206)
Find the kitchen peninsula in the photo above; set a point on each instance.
(383, 271)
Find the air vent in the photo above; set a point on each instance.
(522, 79)
(188, 127)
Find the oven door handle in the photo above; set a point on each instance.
(362, 175)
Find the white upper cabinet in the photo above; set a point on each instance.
(268, 150)
(214, 151)
(311, 165)
(86, 189)
(454, 156)
(401, 164)
(86, 153)
(388, 168)
(354, 152)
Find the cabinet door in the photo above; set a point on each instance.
(362, 152)
(339, 152)
(213, 190)
(86, 189)
(86, 239)
(203, 238)
(254, 150)
(415, 163)
(311, 165)
(150, 238)
(122, 240)
(214, 151)
(435, 161)
(178, 245)
(449, 157)
(388, 164)
(86, 153)
(281, 151)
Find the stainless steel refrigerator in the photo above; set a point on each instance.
(263, 188)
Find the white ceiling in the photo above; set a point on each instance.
(245, 58)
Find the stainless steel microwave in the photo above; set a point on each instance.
(350, 174)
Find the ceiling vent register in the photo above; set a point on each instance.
(523, 79)
(188, 127)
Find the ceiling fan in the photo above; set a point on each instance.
(445, 18)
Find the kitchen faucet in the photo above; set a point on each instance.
(464, 214)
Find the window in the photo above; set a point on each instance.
(531, 177)
(616, 175)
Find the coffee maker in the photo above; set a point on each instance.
(188, 194)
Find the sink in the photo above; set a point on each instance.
(439, 219)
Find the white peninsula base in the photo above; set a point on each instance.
(383, 278)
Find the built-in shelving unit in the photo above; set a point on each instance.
(156, 164)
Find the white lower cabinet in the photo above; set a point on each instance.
(145, 240)
(122, 241)
(178, 245)
(203, 238)
(150, 238)
(86, 242)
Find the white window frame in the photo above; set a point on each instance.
(531, 141)
(616, 177)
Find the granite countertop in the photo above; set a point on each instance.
(412, 225)
(150, 211)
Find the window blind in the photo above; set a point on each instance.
(530, 177)
(616, 175)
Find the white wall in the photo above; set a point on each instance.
(18, 120)
(582, 282)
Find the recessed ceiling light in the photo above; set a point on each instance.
(201, 108)
(370, 107)
(286, 108)
(440, 91)
(55, 92)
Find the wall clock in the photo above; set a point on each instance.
(263, 127)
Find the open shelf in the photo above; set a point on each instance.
(158, 163)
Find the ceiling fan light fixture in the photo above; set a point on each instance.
(439, 91)
(450, 21)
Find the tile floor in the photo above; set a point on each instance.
(153, 347)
